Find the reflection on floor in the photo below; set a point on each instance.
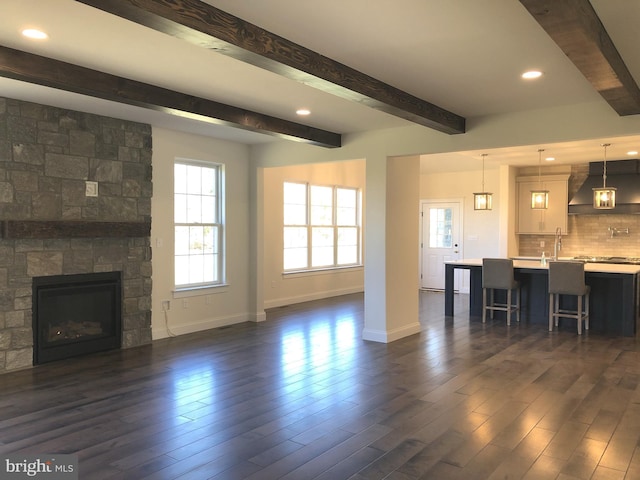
(302, 396)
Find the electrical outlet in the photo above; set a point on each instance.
(166, 305)
(207, 300)
(185, 303)
(541, 243)
(91, 189)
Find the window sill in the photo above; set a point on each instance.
(198, 291)
(321, 271)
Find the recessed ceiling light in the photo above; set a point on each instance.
(550, 159)
(531, 74)
(632, 152)
(303, 111)
(34, 34)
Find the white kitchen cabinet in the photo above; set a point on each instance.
(543, 221)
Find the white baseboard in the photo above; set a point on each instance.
(384, 336)
(161, 330)
(258, 317)
(281, 302)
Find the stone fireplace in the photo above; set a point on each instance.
(75, 198)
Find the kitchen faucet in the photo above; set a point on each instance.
(557, 244)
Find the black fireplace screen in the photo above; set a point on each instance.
(76, 314)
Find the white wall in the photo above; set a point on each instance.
(213, 307)
(402, 237)
(481, 228)
(280, 289)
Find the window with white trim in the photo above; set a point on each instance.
(321, 227)
(198, 222)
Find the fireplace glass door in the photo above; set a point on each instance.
(76, 314)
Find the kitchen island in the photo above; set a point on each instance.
(614, 294)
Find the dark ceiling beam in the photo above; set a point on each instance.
(45, 71)
(576, 28)
(206, 26)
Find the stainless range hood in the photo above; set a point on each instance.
(624, 175)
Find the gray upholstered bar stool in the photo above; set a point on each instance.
(567, 278)
(497, 274)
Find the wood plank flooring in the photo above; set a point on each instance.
(302, 396)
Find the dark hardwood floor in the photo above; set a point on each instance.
(302, 396)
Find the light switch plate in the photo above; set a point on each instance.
(91, 189)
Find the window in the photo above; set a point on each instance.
(198, 224)
(440, 226)
(321, 226)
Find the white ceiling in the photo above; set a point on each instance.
(465, 56)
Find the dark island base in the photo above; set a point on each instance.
(613, 302)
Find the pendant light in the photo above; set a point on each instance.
(540, 197)
(482, 200)
(604, 198)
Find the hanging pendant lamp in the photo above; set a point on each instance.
(482, 200)
(540, 197)
(604, 198)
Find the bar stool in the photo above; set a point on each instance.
(567, 278)
(497, 274)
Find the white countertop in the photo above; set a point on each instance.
(535, 264)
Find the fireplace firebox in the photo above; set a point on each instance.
(76, 314)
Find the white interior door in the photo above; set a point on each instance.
(440, 242)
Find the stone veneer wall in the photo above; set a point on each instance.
(46, 156)
(588, 234)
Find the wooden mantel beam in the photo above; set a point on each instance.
(45, 71)
(574, 25)
(204, 25)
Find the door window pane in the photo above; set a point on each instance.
(440, 224)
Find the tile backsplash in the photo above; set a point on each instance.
(590, 235)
